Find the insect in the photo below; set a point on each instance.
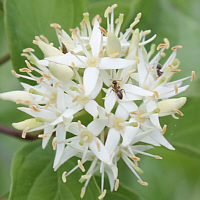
(116, 88)
(159, 67)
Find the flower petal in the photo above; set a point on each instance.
(90, 78)
(110, 100)
(100, 151)
(121, 113)
(133, 89)
(91, 107)
(97, 125)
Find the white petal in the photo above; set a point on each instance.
(95, 40)
(105, 77)
(47, 130)
(110, 100)
(66, 155)
(112, 140)
(115, 63)
(60, 99)
(133, 89)
(121, 113)
(97, 125)
(97, 89)
(68, 58)
(156, 135)
(129, 106)
(74, 128)
(102, 154)
(60, 135)
(150, 140)
(68, 113)
(43, 113)
(110, 177)
(91, 107)
(137, 148)
(90, 78)
(130, 133)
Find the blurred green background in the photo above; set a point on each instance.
(177, 176)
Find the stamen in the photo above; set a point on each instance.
(116, 184)
(150, 69)
(46, 76)
(178, 112)
(176, 47)
(160, 46)
(27, 50)
(25, 70)
(175, 89)
(98, 145)
(75, 98)
(130, 72)
(64, 177)
(87, 176)
(44, 39)
(158, 157)
(193, 76)
(82, 192)
(55, 25)
(57, 84)
(134, 158)
(15, 74)
(54, 143)
(80, 165)
(143, 183)
(107, 11)
(28, 65)
(96, 17)
(102, 195)
(40, 80)
(164, 129)
(24, 132)
(101, 54)
(34, 108)
(156, 94)
(134, 23)
(73, 53)
(79, 125)
(44, 136)
(167, 43)
(175, 70)
(47, 104)
(136, 58)
(103, 30)
(81, 87)
(147, 32)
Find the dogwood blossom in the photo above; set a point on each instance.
(107, 79)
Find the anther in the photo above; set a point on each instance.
(57, 84)
(143, 183)
(161, 46)
(176, 47)
(24, 132)
(55, 25)
(167, 43)
(164, 129)
(136, 58)
(44, 39)
(150, 69)
(107, 11)
(116, 184)
(193, 76)
(81, 87)
(46, 76)
(134, 158)
(130, 72)
(101, 53)
(34, 108)
(47, 104)
(156, 94)
(64, 177)
(75, 98)
(175, 70)
(103, 30)
(87, 176)
(98, 145)
(80, 165)
(27, 50)
(15, 74)
(25, 70)
(40, 80)
(43, 136)
(158, 157)
(178, 112)
(54, 143)
(175, 89)
(82, 192)
(79, 125)
(102, 195)
(28, 65)
(134, 23)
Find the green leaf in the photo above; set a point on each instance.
(33, 177)
(27, 19)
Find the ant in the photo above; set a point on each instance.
(116, 89)
(159, 67)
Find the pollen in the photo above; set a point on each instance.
(34, 108)
(193, 76)
(44, 135)
(28, 65)
(175, 89)
(178, 112)
(176, 47)
(167, 43)
(54, 143)
(24, 132)
(116, 184)
(102, 195)
(136, 58)
(27, 50)
(44, 39)
(143, 183)
(15, 74)
(46, 76)
(103, 30)
(79, 125)
(25, 70)
(75, 98)
(134, 158)
(64, 177)
(175, 70)
(160, 46)
(55, 25)
(164, 129)
(40, 80)
(98, 145)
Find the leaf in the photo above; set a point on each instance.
(33, 177)
(27, 19)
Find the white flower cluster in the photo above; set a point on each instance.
(109, 78)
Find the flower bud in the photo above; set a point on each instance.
(48, 50)
(16, 95)
(113, 47)
(169, 105)
(31, 123)
(61, 72)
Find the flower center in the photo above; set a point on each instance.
(92, 62)
(118, 123)
(86, 136)
(83, 99)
